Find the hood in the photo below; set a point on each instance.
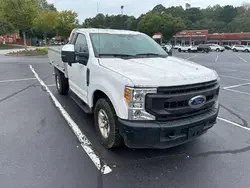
(150, 72)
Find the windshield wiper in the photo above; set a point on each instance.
(151, 54)
(117, 55)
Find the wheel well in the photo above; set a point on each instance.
(98, 95)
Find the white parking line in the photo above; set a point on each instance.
(236, 91)
(237, 78)
(234, 70)
(85, 143)
(191, 57)
(216, 59)
(17, 80)
(51, 85)
(233, 123)
(228, 87)
(242, 59)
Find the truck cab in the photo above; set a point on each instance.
(140, 96)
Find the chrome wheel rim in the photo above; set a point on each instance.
(103, 123)
(58, 82)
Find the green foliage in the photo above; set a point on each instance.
(5, 27)
(35, 52)
(42, 50)
(112, 22)
(21, 13)
(46, 22)
(164, 23)
(45, 6)
(65, 22)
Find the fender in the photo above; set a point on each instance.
(115, 96)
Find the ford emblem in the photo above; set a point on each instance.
(197, 102)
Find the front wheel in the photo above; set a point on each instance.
(62, 83)
(105, 124)
(179, 50)
(217, 50)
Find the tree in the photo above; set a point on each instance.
(159, 9)
(227, 14)
(20, 13)
(164, 23)
(5, 27)
(65, 22)
(45, 23)
(43, 4)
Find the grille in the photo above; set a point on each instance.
(187, 88)
(184, 103)
(171, 103)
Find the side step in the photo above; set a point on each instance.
(80, 103)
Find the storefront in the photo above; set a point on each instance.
(195, 37)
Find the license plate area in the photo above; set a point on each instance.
(195, 131)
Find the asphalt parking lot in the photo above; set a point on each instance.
(39, 149)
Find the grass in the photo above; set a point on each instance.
(35, 52)
(9, 46)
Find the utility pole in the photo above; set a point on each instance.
(122, 16)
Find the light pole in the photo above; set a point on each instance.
(122, 15)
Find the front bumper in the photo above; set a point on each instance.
(168, 134)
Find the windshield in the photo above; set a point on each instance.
(106, 44)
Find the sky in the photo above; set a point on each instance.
(88, 8)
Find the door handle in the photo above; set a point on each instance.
(88, 76)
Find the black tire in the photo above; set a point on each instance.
(217, 50)
(62, 83)
(234, 50)
(189, 51)
(246, 50)
(179, 50)
(114, 138)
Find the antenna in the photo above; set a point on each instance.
(99, 45)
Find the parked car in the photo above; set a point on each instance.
(177, 46)
(216, 47)
(204, 48)
(241, 48)
(227, 47)
(138, 95)
(168, 49)
(189, 48)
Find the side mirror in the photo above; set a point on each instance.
(82, 57)
(68, 54)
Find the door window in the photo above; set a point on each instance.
(81, 44)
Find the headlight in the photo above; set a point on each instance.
(135, 98)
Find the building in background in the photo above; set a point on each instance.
(195, 37)
(9, 39)
(158, 37)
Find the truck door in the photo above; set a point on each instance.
(77, 72)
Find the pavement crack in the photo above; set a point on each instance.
(236, 151)
(15, 93)
(235, 114)
(21, 90)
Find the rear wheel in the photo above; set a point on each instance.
(189, 51)
(62, 83)
(246, 50)
(217, 50)
(105, 124)
(234, 50)
(179, 50)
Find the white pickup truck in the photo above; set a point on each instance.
(139, 95)
(189, 48)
